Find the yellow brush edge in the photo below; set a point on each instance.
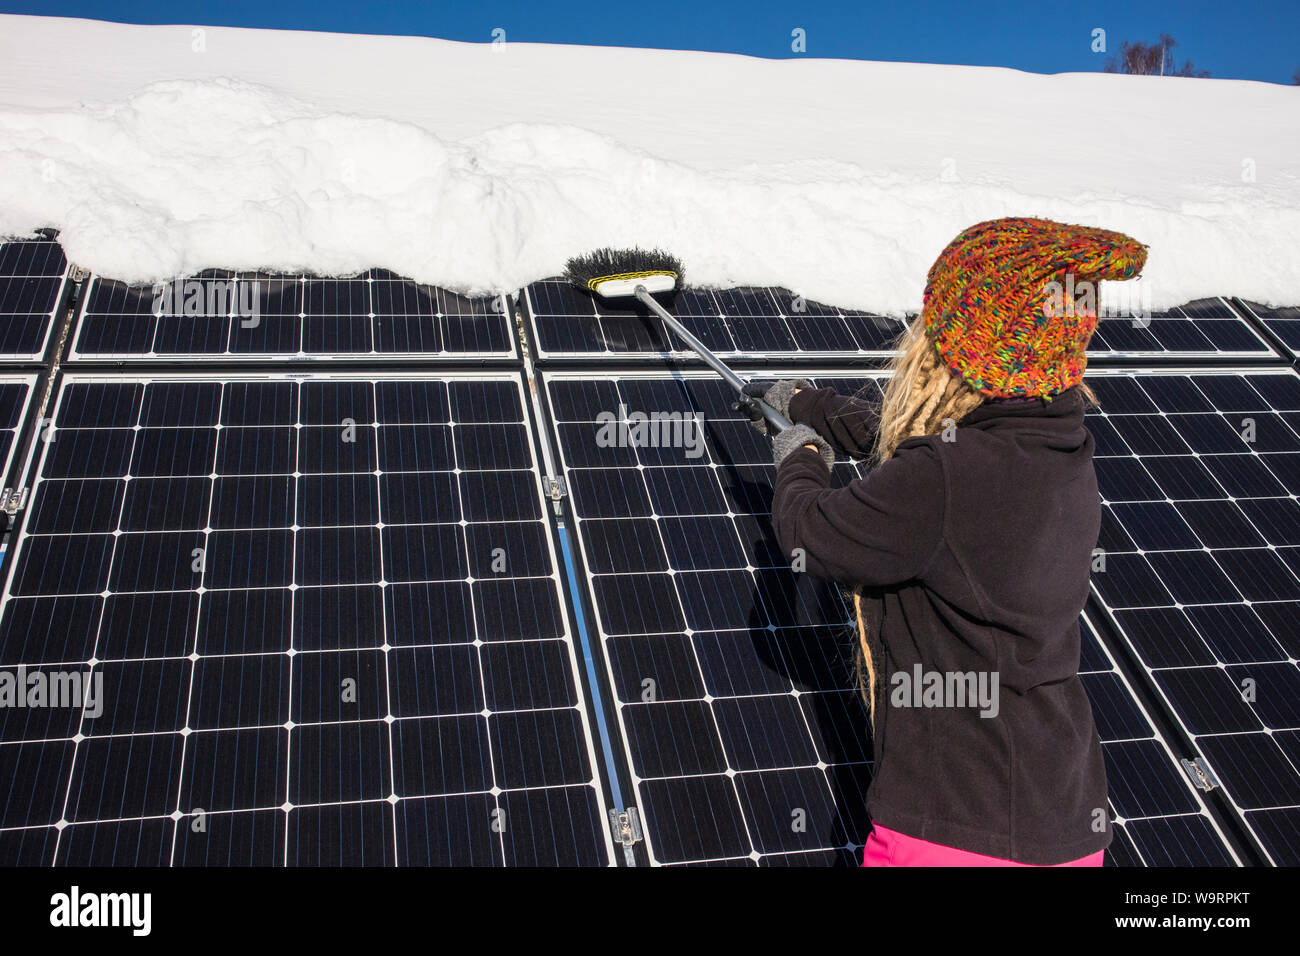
(592, 283)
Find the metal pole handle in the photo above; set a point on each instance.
(774, 418)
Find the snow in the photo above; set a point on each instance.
(159, 151)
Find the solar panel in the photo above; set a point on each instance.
(772, 322)
(735, 709)
(1205, 328)
(15, 394)
(1284, 322)
(328, 620)
(33, 276)
(258, 316)
(1199, 474)
(570, 322)
(730, 674)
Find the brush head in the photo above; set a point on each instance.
(617, 272)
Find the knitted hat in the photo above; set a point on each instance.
(994, 317)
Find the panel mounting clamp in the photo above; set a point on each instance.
(13, 500)
(555, 487)
(626, 828)
(1201, 775)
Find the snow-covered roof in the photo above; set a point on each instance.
(160, 150)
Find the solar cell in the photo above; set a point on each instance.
(33, 277)
(326, 616)
(252, 316)
(1199, 483)
(730, 674)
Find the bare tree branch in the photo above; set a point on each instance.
(1153, 59)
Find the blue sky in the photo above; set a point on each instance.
(1243, 39)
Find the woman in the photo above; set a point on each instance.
(968, 550)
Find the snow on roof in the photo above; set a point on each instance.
(159, 150)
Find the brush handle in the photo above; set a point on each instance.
(774, 418)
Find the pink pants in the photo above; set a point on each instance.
(890, 848)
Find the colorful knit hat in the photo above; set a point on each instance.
(992, 313)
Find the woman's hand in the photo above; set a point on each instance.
(798, 437)
(775, 393)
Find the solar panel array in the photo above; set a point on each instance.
(385, 617)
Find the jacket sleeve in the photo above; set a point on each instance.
(878, 531)
(848, 423)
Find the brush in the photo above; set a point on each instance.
(640, 274)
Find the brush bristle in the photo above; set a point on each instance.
(588, 271)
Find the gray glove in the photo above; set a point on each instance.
(792, 439)
(775, 393)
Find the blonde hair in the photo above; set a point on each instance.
(920, 398)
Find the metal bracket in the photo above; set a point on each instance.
(556, 488)
(13, 500)
(1201, 775)
(626, 828)
(76, 273)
